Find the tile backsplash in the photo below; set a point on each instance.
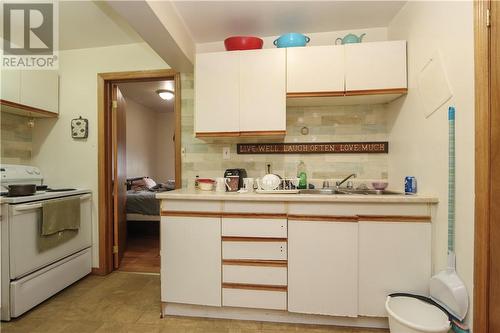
(325, 124)
(16, 139)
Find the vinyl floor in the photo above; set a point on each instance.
(130, 302)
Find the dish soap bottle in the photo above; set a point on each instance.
(302, 175)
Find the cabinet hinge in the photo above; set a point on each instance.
(488, 18)
(115, 249)
(114, 104)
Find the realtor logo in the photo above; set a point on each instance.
(29, 35)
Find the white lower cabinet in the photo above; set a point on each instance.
(191, 260)
(337, 260)
(256, 299)
(323, 267)
(393, 257)
(254, 274)
(257, 249)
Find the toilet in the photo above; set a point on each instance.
(419, 314)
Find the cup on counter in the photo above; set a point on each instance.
(220, 184)
(248, 184)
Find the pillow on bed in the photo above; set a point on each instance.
(149, 183)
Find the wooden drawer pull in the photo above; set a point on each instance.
(252, 239)
(249, 262)
(254, 287)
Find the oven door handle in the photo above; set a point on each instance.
(21, 208)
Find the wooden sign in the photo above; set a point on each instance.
(381, 147)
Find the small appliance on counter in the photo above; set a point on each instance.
(234, 179)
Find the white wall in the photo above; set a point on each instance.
(150, 147)
(419, 146)
(73, 163)
(317, 38)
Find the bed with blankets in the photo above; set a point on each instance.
(141, 202)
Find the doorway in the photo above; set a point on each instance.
(139, 155)
(487, 196)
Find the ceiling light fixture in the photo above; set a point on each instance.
(167, 95)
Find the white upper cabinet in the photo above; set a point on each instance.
(40, 89)
(323, 267)
(262, 90)
(240, 93)
(33, 92)
(375, 66)
(315, 69)
(11, 84)
(217, 85)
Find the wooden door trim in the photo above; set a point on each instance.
(482, 166)
(105, 218)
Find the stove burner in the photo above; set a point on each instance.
(60, 189)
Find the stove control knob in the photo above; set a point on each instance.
(36, 172)
(29, 171)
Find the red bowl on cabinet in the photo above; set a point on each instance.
(236, 43)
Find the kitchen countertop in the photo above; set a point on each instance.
(184, 194)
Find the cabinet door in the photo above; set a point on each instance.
(11, 83)
(217, 92)
(393, 257)
(191, 260)
(323, 267)
(315, 69)
(377, 65)
(40, 89)
(263, 90)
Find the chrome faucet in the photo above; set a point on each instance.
(345, 180)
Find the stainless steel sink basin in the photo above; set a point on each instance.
(372, 192)
(342, 191)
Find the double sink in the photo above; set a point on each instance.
(344, 191)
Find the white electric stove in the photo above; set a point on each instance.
(11, 174)
(29, 274)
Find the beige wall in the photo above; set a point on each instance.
(150, 146)
(419, 146)
(73, 163)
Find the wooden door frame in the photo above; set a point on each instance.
(483, 166)
(105, 200)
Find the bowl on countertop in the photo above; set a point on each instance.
(380, 186)
(206, 184)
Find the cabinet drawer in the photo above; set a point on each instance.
(257, 299)
(254, 227)
(263, 275)
(260, 250)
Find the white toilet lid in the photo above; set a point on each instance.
(417, 314)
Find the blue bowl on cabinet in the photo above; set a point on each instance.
(291, 39)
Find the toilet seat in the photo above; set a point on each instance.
(410, 315)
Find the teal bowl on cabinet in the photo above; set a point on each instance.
(292, 39)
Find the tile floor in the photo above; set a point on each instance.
(129, 302)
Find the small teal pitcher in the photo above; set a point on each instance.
(350, 39)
